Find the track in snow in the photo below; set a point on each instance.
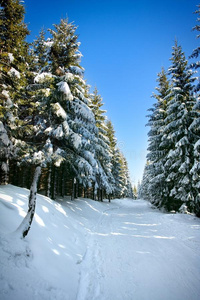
(138, 253)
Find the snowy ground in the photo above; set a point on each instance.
(86, 250)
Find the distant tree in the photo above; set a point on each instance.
(115, 158)
(135, 192)
(145, 183)
(127, 190)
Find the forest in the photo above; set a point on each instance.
(54, 130)
(49, 119)
(62, 175)
(171, 178)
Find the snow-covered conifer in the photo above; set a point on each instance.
(196, 51)
(66, 118)
(119, 168)
(13, 66)
(104, 176)
(177, 123)
(195, 170)
(143, 191)
(158, 144)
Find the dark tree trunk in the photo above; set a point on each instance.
(73, 189)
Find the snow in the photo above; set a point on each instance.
(64, 87)
(11, 57)
(60, 112)
(14, 72)
(76, 140)
(41, 77)
(87, 250)
(6, 93)
(38, 157)
(4, 140)
(58, 132)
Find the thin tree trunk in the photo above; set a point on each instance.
(49, 181)
(109, 198)
(53, 182)
(25, 226)
(101, 195)
(73, 189)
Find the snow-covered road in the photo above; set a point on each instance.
(135, 252)
(88, 250)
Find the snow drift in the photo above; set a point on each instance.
(82, 249)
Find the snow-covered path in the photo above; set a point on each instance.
(135, 252)
(88, 250)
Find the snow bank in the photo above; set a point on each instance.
(82, 249)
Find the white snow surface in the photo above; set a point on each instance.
(64, 87)
(11, 57)
(14, 72)
(87, 250)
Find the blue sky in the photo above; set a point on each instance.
(124, 44)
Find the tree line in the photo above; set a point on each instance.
(52, 128)
(171, 178)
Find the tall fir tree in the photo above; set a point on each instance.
(105, 179)
(179, 118)
(195, 170)
(14, 101)
(196, 51)
(67, 120)
(158, 143)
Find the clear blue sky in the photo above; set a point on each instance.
(124, 45)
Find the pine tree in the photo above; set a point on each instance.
(143, 191)
(158, 143)
(41, 53)
(195, 170)
(105, 179)
(13, 65)
(122, 184)
(126, 190)
(179, 118)
(66, 119)
(16, 123)
(195, 127)
(110, 133)
(196, 52)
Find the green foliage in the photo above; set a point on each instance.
(171, 175)
(48, 116)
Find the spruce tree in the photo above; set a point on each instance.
(66, 119)
(110, 133)
(13, 65)
(158, 143)
(143, 190)
(196, 51)
(127, 190)
(102, 150)
(179, 118)
(195, 170)
(122, 185)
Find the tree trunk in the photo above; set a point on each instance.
(101, 195)
(73, 189)
(53, 182)
(25, 226)
(48, 181)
